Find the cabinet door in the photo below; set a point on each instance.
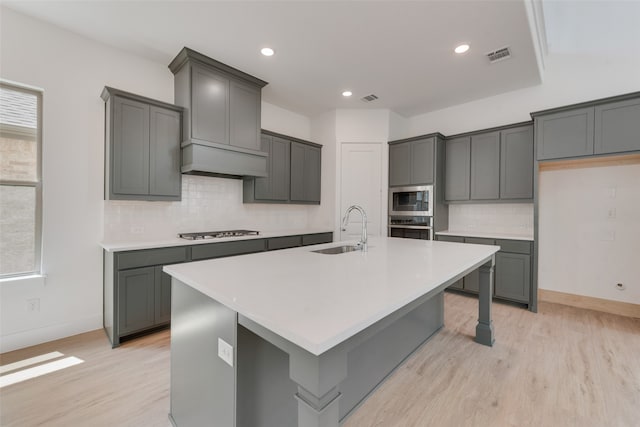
(165, 178)
(130, 149)
(422, 158)
(136, 299)
(162, 297)
(262, 186)
(472, 280)
(617, 127)
(305, 173)
(512, 276)
(565, 134)
(516, 163)
(244, 107)
(280, 168)
(399, 164)
(485, 166)
(457, 166)
(209, 106)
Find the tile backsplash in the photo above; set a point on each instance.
(516, 218)
(207, 204)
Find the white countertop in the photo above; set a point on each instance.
(487, 234)
(135, 244)
(317, 301)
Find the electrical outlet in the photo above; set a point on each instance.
(33, 305)
(225, 351)
(138, 229)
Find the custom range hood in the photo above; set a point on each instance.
(221, 126)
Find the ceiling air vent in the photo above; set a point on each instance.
(369, 98)
(499, 55)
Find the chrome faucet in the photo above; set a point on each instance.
(362, 244)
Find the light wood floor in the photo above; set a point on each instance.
(561, 367)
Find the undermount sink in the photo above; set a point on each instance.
(338, 250)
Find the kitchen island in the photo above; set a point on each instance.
(297, 337)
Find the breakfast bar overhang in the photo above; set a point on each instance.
(300, 338)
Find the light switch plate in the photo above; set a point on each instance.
(225, 351)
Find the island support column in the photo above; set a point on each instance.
(484, 329)
(318, 379)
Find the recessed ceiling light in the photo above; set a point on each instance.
(347, 93)
(267, 51)
(462, 48)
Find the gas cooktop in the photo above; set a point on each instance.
(218, 234)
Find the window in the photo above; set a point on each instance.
(20, 180)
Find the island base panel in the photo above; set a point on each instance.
(202, 384)
(264, 378)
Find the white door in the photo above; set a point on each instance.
(361, 184)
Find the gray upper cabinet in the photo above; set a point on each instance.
(399, 164)
(142, 147)
(244, 106)
(604, 126)
(485, 166)
(164, 156)
(490, 166)
(617, 127)
(276, 185)
(457, 168)
(516, 163)
(565, 134)
(222, 117)
(209, 106)
(294, 172)
(412, 162)
(305, 173)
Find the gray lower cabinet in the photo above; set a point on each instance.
(516, 163)
(137, 293)
(457, 168)
(512, 274)
(412, 162)
(142, 148)
(485, 166)
(305, 173)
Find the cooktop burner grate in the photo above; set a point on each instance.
(218, 234)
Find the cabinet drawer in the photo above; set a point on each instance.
(283, 242)
(515, 246)
(218, 250)
(456, 239)
(316, 239)
(147, 257)
(479, 241)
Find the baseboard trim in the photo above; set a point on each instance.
(36, 336)
(591, 303)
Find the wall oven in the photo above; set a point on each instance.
(411, 212)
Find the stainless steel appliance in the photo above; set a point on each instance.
(411, 212)
(411, 227)
(218, 234)
(414, 200)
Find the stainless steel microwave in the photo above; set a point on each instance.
(414, 200)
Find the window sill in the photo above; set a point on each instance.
(31, 278)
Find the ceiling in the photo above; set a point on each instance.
(400, 51)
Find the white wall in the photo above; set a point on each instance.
(568, 79)
(509, 218)
(590, 232)
(72, 71)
